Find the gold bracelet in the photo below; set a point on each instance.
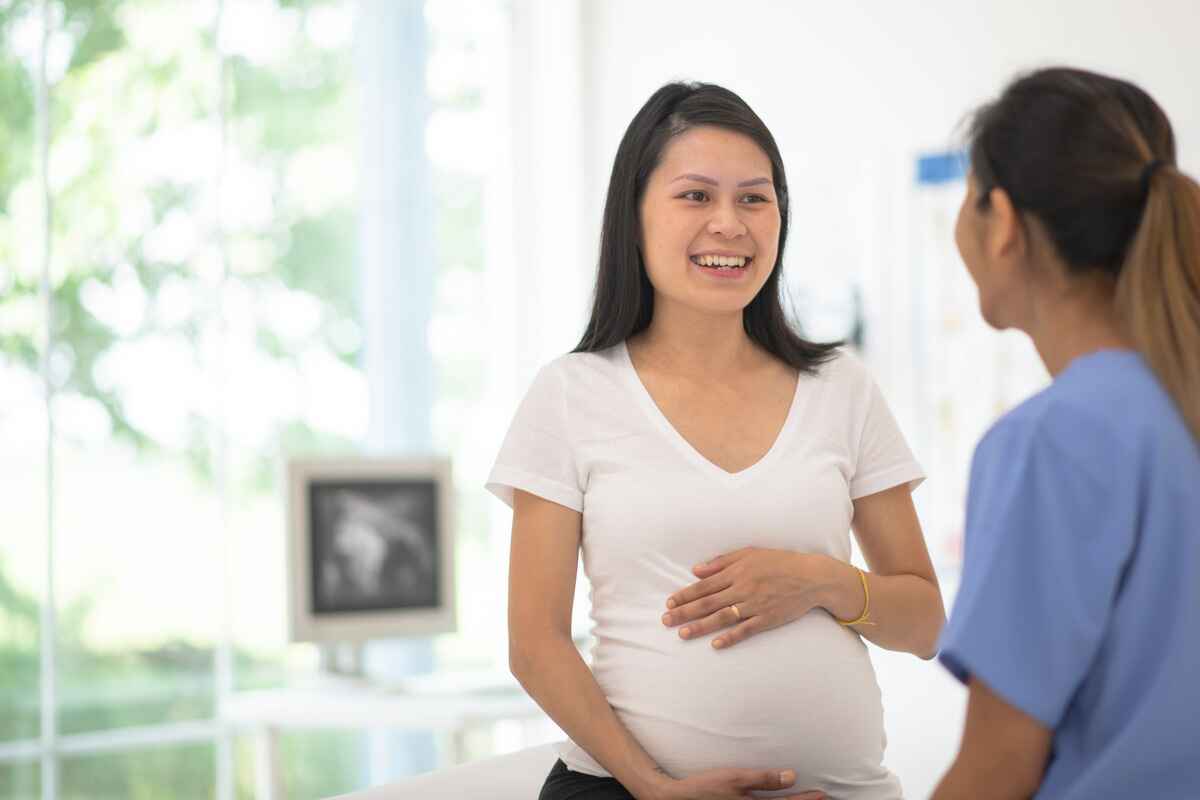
(862, 620)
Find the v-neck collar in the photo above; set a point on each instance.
(656, 415)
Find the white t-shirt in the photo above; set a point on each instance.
(589, 436)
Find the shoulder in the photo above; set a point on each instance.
(585, 386)
(1064, 427)
(846, 387)
(584, 370)
(845, 396)
(844, 370)
(569, 363)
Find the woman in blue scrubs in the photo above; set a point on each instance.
(1077, 624)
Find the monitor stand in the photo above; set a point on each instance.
(341, 659)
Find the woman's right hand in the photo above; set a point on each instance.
(733, 784)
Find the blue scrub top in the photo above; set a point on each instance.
(1080, 595)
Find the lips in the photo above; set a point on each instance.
(721, 261)
(722, 268)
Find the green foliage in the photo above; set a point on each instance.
(16, 126)
(20, 348)
(113, 200)
(108, 690)
(320, 763)
(278, 113)
(99, 32)
(172, 682)
(110, 114)
(186, 772)
(81, 341)
(16, 109)
(292, 107)
(307, 4)
(459, 223)
(20, 622)
(20, 780)
(320, 260)
(98, 690)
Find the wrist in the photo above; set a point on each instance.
(840, 589)
(652, 785)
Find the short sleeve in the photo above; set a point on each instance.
(1049, 530)
(537, 455)
(883, 458)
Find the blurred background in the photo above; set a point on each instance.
(238, 231)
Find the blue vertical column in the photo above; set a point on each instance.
(397, 293)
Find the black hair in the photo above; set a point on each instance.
(623, 304)
(1070, 146)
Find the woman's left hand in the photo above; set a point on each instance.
(749, 591)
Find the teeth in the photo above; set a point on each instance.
(720, 261)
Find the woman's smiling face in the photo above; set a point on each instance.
(710, 221)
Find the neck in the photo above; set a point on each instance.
(1076, 322)
(685, 341)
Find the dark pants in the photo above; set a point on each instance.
(563, 784)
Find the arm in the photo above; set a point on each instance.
(906, 603)
(1003, 753)
(545, 548)
(542, 565)
(773, 587)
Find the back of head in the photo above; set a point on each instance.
(1093, 158)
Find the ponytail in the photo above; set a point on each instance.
(1158, 290)
(1093, 158)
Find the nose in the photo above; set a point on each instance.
(724, 222)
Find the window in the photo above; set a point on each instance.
(195, 318)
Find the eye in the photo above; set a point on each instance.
(695, 195)
(754, 198)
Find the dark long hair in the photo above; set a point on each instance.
(1093, 158)
(624, 298)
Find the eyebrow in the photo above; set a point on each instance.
(711, 182)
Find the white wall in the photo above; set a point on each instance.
(836, 79)
(853, 91)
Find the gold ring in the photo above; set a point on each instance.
(736, 613)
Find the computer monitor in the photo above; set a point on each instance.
(371, 549)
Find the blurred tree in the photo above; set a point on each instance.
(141, 233)
(135, 102)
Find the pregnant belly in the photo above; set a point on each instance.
(802, 696)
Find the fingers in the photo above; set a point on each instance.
(717, 564)
(727, 783)
(766, 779)
(701, 588)
(723, 617)
(741, 632)
(699, 609)
(709, 568)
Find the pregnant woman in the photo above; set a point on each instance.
(692, 435)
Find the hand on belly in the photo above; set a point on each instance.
(746, 592)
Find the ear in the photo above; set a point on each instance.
(1005, 233)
